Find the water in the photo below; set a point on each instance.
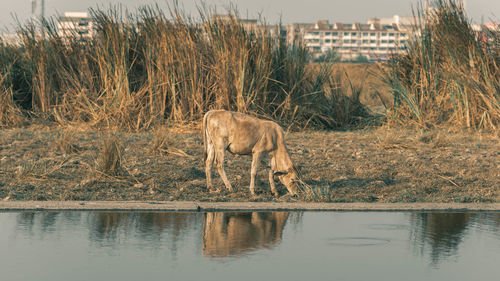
(249, 246)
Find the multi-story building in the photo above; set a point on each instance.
(377, 39)
(75, 24)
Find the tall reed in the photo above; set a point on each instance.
(147, 67)
(449, 74)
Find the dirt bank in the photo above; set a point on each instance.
(375, 165)
(190, 206)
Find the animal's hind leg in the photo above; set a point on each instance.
(208, 165)
(220, 166)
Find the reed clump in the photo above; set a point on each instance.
(147, 67)
(449, 74)
(162, 140)
(65, 142)
(109, 161)
(10, 112)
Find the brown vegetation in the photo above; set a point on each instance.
(146, 68)
(450, 75)
(382, 165)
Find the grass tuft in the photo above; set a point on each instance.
(109, 161)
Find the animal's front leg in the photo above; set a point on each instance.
(253, 172)
(220, 167)
(271, 178)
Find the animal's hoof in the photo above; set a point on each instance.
(214, 190)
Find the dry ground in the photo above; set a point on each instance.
(371, 165)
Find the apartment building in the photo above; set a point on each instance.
(75, 23)
(377, 39)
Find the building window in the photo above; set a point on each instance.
(373, 41)
(384, 33)
(365, 33)
(383, 49)
(346, 41)
(384, 41)
(327, 40)
(372, 34)
(346, 33)
(327, 33)
(354, 41)
(391, 34)
(366, 41)
(391, 41)
(354, 34)
(334, 40)
(403, 34)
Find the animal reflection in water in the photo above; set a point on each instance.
(233, 234)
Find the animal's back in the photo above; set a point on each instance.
(242, 132)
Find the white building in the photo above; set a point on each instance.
(75, 24)
(378, 39)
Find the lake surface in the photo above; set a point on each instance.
(253, 246)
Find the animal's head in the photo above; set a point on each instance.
(290, 179)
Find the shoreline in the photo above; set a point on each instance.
(192, 206)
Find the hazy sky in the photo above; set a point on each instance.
(272, 10)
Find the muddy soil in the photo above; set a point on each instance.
(370, 165)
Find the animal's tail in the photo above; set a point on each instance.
(204, 132)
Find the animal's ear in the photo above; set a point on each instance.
(280, 173)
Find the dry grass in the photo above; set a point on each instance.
(109, 161)
(449, 75)
(10, 114)
(147, 67)
(364, 77)
(382, 165)
(161, 140)
(65, 142)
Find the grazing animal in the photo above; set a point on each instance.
(243, 134)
